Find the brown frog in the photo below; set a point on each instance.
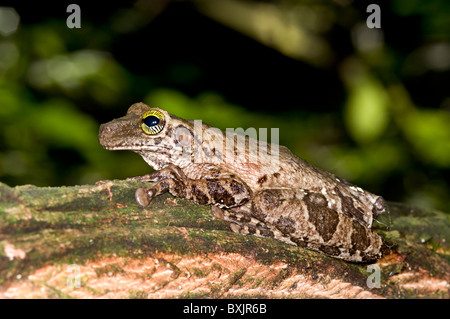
(260, 188)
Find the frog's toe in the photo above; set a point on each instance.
(144, 196)
(238, 229)
(217, 212)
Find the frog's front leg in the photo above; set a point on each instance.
(222, 192)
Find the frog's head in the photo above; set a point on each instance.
(159, 137)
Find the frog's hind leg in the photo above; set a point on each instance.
(242, 223)
(307, 219)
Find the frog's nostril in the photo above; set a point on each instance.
(105, 129)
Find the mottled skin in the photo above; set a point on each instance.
(275, 195)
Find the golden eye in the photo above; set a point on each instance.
(153, 122)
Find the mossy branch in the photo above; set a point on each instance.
(94, 241)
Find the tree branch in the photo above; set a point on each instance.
(94, 241)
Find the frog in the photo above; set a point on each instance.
(282, 197)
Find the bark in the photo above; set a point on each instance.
(94, 241)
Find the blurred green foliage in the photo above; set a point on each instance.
(58, 84)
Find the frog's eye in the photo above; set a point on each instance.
(153, 122)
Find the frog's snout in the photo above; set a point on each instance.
(105, 133)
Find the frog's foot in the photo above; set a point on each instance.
(242, 223)
(217, 212)
(145, 195)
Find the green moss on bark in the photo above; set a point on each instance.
(68, 225)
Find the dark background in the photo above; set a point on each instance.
(370, 105)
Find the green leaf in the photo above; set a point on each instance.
(429, 132)
(366, 113)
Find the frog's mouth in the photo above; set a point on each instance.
(135, 147)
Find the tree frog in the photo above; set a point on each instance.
(269, 193)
